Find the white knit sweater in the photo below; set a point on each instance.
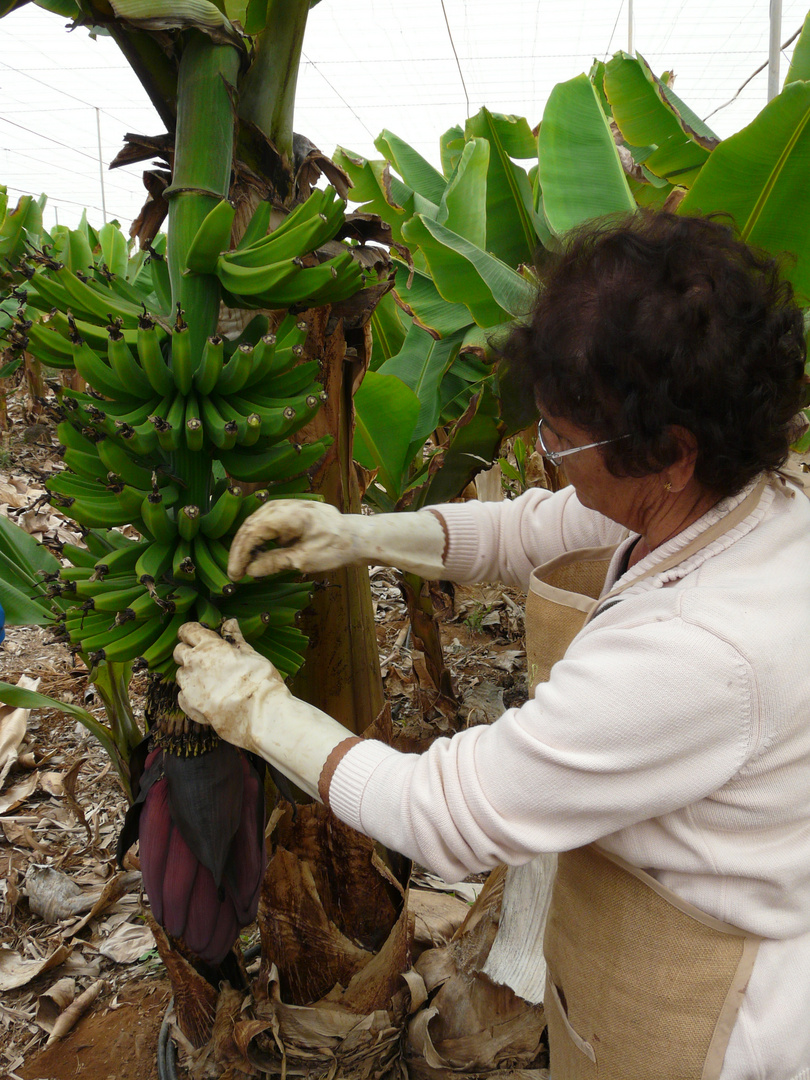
(675, 731)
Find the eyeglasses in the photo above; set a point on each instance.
(556, 456)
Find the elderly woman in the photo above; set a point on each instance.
(665, 746)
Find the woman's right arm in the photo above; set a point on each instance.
(465, 542)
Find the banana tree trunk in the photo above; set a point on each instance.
(341, 673)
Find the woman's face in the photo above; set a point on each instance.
(624, 499)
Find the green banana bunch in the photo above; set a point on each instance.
(138, 443)
(266, 270)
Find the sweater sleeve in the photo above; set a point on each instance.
(613, 739)
(505, 541)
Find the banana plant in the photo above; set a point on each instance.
(190, 419)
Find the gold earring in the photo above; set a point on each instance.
(667, 485)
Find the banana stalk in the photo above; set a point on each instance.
(202, 171)
(267, 94)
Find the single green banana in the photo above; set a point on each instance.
(210, 366)
(49, 347)
(121, 559)
(301, 379)
(253, 626)
(151, 357)
(207, 613)
(118, 461)
(163, 646)
(183, 566)
(188, 521)
(222, 514)
(126, 368)
(235, 373)
(155, 560)
(79, 556)
(157, 522)
(220, 431)
(91, 589)
(73, 438)
(208, 570)
(257, 226)
(142, 439)
(193, 423)
(212, 237)
(97, 372)
(170, 430)
(181, 363)
(250, 281)
(289, 459)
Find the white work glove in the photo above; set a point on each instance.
(313, 536)
(227, 684)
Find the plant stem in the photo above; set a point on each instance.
(267, 96)
(202, 170)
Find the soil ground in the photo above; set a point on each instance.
(74, 829)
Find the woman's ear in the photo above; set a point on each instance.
(680, 472)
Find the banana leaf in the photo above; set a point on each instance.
(18, 698)
(463, 207)
(465, 274)
(387, 411)
(417, 173)
(472, 446)
(22, 590)
(512, 226)
(428, 308)
(387, 331)
(422, 364)
(580, 172)
(378, 190)
(759, 178)
(800, 61)
(451, 145)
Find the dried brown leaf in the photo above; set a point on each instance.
(74, 1012)
(16, 971)
(128, 943)
(53, 1001)
(16, 795)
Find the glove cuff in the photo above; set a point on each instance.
(331, 763)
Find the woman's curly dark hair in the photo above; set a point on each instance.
(655, 320)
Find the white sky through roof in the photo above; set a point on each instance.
(413, 68)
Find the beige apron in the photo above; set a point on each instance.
(640, 983)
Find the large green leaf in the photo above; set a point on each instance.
(580, 172)
(759, 177)
(386, 411)
(417, 173)
(429, 309)
(800, 61)
(513, 228)
(422, 364)
(649, 115)
(463, 206)
(465, 274)
(512, 133)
